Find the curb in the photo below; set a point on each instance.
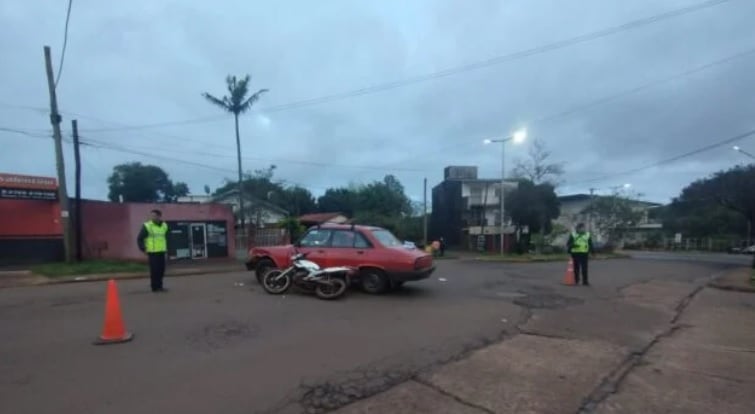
(126, 276)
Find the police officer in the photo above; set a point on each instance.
(152, 240)
(580, 247)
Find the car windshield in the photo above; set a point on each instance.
(386, 238)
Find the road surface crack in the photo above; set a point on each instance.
(612, 382)
(454, 397)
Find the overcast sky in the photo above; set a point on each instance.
(146, 62)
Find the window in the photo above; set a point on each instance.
(316, 238)
(386, 238)
(361, 242)
(342, 239)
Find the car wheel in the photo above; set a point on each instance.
(374, 281)
(262, 267)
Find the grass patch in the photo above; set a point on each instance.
(88, 268)
(559, 257)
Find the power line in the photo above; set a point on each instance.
(275, 161)
(65, 43)
(24, 132)
(605, 99)
(540, 120)
(660, 163)
(115, 148)
(204, 120)
(454, 70)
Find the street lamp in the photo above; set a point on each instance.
(741, 151)
(518, 137)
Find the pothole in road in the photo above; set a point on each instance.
(220, 335)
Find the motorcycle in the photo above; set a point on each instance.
(328, 283)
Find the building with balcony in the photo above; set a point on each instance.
(466, 210)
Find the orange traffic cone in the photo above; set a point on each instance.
(113, 331)
(569, 276)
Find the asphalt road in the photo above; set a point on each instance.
(213, 345)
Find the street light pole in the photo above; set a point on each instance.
(502, 195)
(517, 137)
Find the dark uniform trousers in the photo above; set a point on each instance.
(580, 266)
(156, 269)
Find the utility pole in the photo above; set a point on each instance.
(55, 119)
(77, 208)
(590, 216)
(424, 212)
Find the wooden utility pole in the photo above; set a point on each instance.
(55, 119)
(424, 213)
(77, 208)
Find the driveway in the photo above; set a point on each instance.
(218, 343)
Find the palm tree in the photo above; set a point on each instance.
(237, 102)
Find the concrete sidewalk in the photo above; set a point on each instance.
(698, 357)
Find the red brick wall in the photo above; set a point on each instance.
(29, 218)
(110, 229)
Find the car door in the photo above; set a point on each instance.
(348, 248)
(316, 244)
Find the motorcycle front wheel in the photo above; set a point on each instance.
(330, 289)
(274, 285)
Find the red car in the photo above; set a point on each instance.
(384, 262)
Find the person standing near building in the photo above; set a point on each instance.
(580, 247)
(153, 241)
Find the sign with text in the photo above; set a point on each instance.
(26, 194)
(28, 182)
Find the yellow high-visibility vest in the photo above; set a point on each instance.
(156, 241)
(580, 242)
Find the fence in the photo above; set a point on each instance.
(708, 244)
(259, 237)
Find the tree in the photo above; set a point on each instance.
(614, 215)
(297, 200)
(135, 182)
(237, 102)
(385, 197)
(534, 206)
(343, 200)
(731, 189)
(537, 168)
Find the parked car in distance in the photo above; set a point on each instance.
(384, 262)
(743, 250)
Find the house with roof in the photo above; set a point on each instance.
(257, 212)
(575, 210)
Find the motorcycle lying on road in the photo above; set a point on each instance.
(328, 283)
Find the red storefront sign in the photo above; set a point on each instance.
(28, 187)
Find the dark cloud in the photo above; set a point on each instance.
(147, 62)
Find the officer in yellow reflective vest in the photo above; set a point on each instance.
(153, 241)
(580, 247)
